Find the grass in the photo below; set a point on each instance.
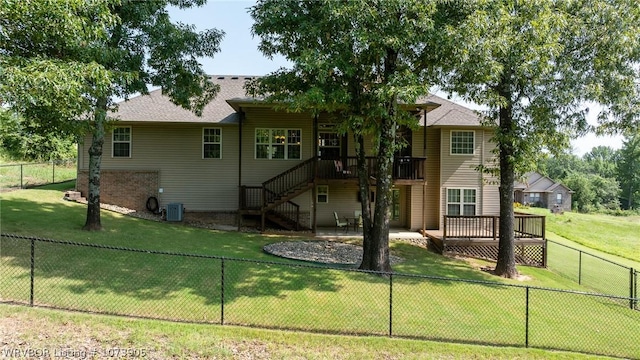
(32, 174)
(41, 329)
(615, 235)
(285, 295)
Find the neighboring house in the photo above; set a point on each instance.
(541, 191)
(245, 158)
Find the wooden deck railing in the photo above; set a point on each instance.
(404, 168)
(486, 227)
(250, 197)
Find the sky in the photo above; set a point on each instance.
(239, 54)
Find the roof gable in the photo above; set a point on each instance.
(157, 107)
(537, 182)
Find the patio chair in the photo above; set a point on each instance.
(340, 169)
(358, 225)
(340, 224)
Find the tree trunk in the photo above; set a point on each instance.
(375, 255)
(506, 264)
(95, 158)
(363, 189)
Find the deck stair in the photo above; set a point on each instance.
(272, 200)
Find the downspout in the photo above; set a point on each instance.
(314, 219)
(241, 116)
(424, 183)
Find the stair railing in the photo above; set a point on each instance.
(288, 181)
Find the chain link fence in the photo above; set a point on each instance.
(25, 175)
(592, 271)
(295, 296)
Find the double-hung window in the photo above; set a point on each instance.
(322, 194)
(212, 143)
(278, 144)
(461, 201)
(534, 198)
(462, 142)
(121, 142)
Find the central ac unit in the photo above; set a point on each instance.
(174, 212)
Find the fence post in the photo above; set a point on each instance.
(21, 187)
(631, 292)
(53, 170)
(579, 267)
(545, 252)
(222, 292)
(526, 321)
(390, 304)
(635, 286)
(33, 266)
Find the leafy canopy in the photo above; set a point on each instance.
(342, 52)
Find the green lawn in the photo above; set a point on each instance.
(33, 174)
(283, 295)
(616, 235)
(43, 329)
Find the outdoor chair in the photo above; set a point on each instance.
(340, 224)
(340, 169)
(357, 219)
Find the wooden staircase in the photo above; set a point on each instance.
(276, 194)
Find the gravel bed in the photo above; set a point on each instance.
(326, 252)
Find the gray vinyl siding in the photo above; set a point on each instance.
(458, 171)
(490, 188)
(343, 199)
(256, 171)
(175, 150)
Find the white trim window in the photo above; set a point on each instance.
(278, 144)
(212, 143)
(322, 194)
(558, 198)
(534, 198)
(461, 202)
(121, 142)
(462, 142)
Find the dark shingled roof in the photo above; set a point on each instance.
(157, 107)
(450, 114)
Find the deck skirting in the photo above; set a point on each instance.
(528, 251)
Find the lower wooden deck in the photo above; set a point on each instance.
(529, 250)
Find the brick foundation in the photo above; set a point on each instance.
(127, 188)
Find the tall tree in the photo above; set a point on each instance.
(629, 170)
(24, 139)
(144, 42)
(47, 72)
(72, 58)
(560, 165)
(356, 59)
(602, 160)
(533, 64)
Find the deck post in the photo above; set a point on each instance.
(444, 234)
(495, 227)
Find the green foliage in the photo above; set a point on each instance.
(602, 160)
(65, 60)
(22, 140)
(592, 192)
(46, 63)
(629, 171)
(533, 64)
(559, 166)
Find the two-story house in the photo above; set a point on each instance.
(295, 170)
